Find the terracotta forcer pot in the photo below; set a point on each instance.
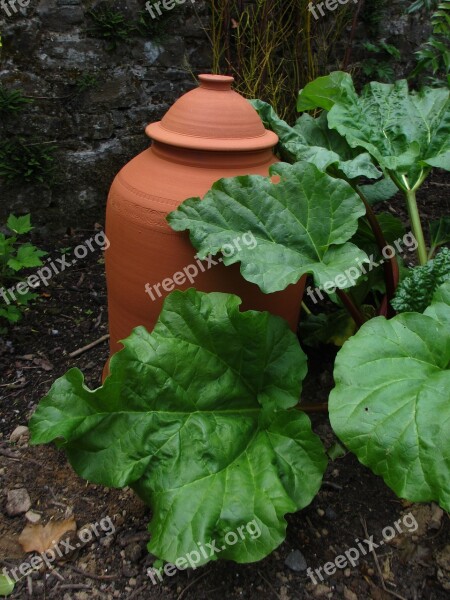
(209, 133)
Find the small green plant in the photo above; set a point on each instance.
(433, 59)
(379, 66)
(110, 25)
(12, 101)
(15, 256)
(419, 5)
(373, 13)
(29, 162)
(85, 82)
(415, 293)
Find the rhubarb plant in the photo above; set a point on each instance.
(198, 418)
(406, 133)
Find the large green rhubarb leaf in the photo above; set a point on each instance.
(301, 224)
(195, 418)
(313, 141)
(406, 133)
(325, 91)
(391, 403)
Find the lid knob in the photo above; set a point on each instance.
(216, 82)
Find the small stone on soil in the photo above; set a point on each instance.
(436, 517)
(321, 591)
(349, 595)
(133, 552)
(18, 502)
(32, 516)
(443, 564)
(296, 561)
(330, 514)
(19, 431)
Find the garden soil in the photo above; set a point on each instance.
(352, 503)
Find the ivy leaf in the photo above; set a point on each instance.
(27, 256)
(19, 225)
(195, 418)
(301, 225)
(391, 403)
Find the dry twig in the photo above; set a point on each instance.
(89, 346)
(377, 564)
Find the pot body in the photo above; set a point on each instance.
(209, 133)
(144, 251)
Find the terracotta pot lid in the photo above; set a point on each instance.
(212, 117)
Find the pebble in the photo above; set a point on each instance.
(321, 590)
(330, 513)
(443, 564)
(18, 502)
(349, 594)
(19, 431)
(436, 517)
(296, 561)
(320, 512)
(107, 541)
(133, 552)
(347, 572)
(32, 516)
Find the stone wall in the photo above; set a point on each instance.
(91, 101)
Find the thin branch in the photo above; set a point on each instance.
(377, 564)
(89, 346)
